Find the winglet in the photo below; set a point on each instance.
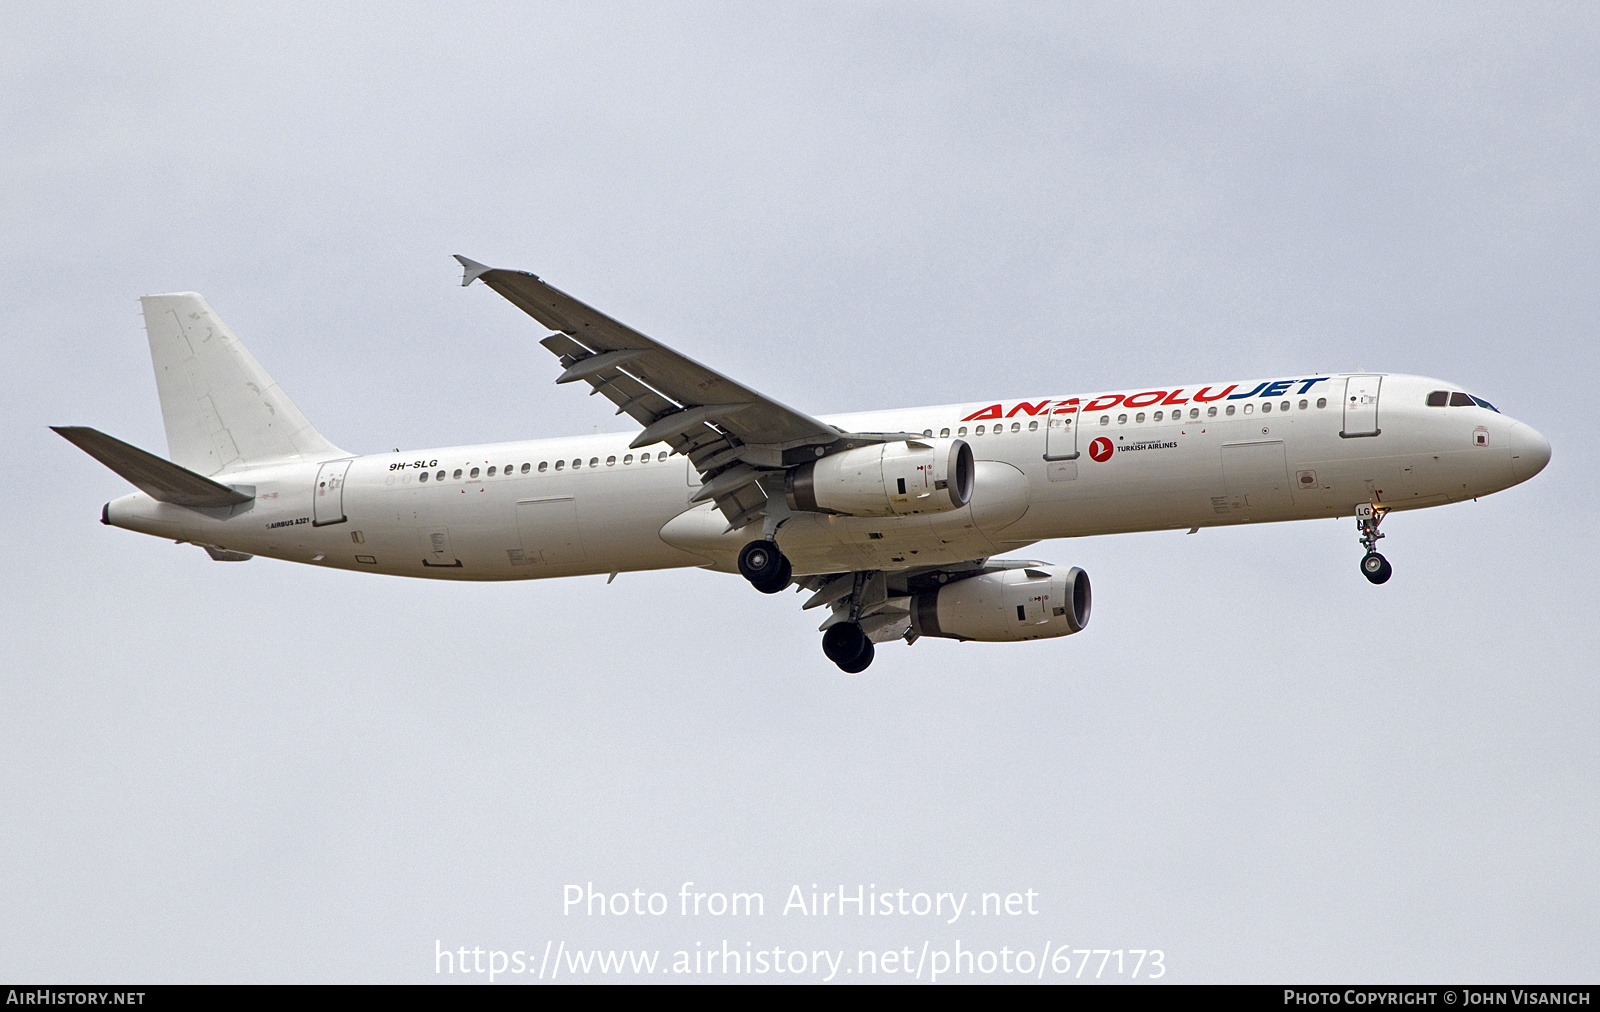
(474, 270)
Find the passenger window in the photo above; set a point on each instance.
(1266, 408)
(1105, 419)
(1139, 417)
(577, 463)
(594, 461)
(1158, 415)
(525, 468)
(543, 464)
(978, 431)
(628, 459)
(1230, 409)
(1285, 406)
(944, 433)
(1249, 408)
(1303, 406)
(1322, 402)
(560, 464)
(1016, 426)
(1122, 419)
(961, 431)
(1211, 412)
(423, 476)
(927, 432)
(1439, 398)
(1033, 426)
(610, 461)
(1460, 400)
(474, 473)
(1195, 412)
(491, 472)
(644, 458)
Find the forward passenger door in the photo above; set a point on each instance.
(1361, 406)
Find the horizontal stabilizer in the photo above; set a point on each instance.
(161, 480)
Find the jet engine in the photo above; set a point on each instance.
(1006, 606)
(886, 479)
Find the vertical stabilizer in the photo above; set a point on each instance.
(222, 411)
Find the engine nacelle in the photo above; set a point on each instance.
(1006, 606)
(886, 479)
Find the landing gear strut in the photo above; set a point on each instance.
(1374, 567)
(766, 568)
(847, 645)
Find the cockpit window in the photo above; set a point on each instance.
(1460, 400)
(1480, 402)
(1439, 398)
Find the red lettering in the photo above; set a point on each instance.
(1175, 393)
(1111, 401)
(1154, 395)
(1202, 398)
(1032, 409)
(1065, 407)
(992, 411)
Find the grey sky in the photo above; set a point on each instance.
(1252, 760)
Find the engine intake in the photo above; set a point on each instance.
(886, 479)
(1006, 606)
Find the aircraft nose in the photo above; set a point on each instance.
(1530, 451)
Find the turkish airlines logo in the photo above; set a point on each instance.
(1100, 449)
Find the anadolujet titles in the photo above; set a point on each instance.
(895, 521)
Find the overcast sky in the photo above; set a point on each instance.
(1251, 760)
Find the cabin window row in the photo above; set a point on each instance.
(1033, 426)
(1176, 416)
(544, 465)
(1211, 412)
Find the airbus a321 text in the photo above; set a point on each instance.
(893, 520)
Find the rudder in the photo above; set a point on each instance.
(221, 409)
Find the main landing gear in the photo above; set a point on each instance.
(765, 566)
(1374, 567)
(847, 646)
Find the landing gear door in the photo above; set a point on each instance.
(1061, 437)
(1361, 406)
(327, 499)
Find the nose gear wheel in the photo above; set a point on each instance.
(1375, 567)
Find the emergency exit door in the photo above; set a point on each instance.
(327, 499)
(1361, 406)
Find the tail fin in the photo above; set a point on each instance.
(222, 411)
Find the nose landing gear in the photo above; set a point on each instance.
(1374, 567)
(766, 567)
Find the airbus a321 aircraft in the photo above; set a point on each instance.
(893, 520)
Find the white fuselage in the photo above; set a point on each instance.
(590, 504)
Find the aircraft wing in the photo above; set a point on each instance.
(736, 437)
